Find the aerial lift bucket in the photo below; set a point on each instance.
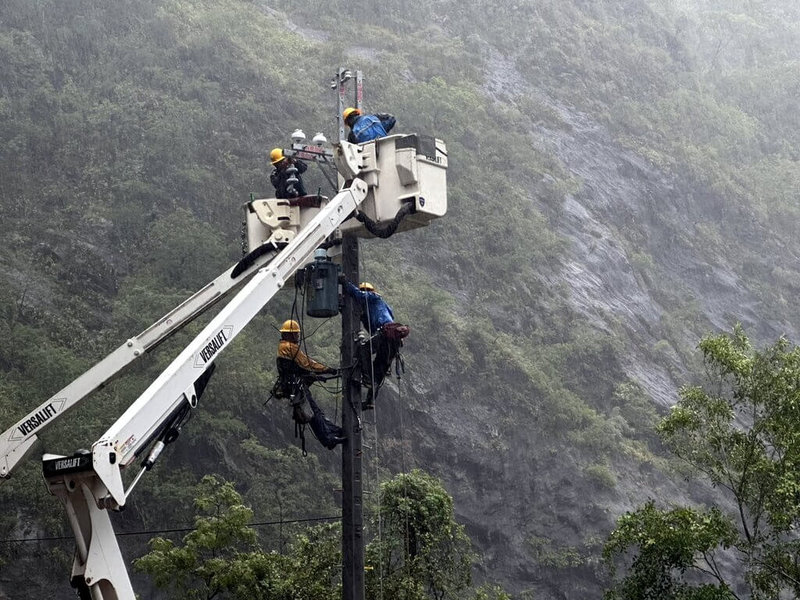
(278, 220)
(411, 169)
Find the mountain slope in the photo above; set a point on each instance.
(622, 180)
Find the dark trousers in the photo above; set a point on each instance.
(385, 351)
(329, 434)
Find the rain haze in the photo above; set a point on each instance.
(541, 347)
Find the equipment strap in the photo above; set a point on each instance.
(300, 432)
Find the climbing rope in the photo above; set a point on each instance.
(376, 453)
(378, 492)
(402, 410)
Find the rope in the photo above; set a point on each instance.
(403, 464)
(371, 364)
(377, 491)
(301, 316)
(376, 484)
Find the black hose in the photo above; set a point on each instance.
(385, 230)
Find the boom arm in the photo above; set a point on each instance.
(88, 485)
(138, 425)
(17, 442)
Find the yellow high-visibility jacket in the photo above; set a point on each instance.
(291, 351)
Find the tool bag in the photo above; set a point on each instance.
(395, 332)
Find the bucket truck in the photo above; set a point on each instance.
(380, 177)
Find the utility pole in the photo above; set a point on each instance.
(352, 492)
(352, 505)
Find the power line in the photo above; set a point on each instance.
(174, 530)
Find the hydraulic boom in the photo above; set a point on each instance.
(89, 485)
(17, 441)
(398, 179)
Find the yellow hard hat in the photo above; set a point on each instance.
(276, 155)
(366, 286)
(350, 111)
(290, 326)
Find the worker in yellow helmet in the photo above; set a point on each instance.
(285, 177)
(384, 336)
(296, 372)
(364, 128)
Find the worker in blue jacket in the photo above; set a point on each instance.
(385, 337)
(364, 128)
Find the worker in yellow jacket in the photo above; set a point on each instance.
(296, 372)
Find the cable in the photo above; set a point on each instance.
(317, 328)
(377, 449)
(378, 491)
(173, 530)
(405, 468)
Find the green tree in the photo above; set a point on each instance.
(422, 551)
(741, 431)
(220, 557)
(669, 544)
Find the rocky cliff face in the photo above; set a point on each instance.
(635, 260)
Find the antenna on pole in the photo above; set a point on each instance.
(339, 83)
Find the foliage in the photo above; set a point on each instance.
(741, 431)
(221, 557)
(668, 544)
(550, 554)
(422, 551)
(601, 474)
(218, 557)
(491, 592)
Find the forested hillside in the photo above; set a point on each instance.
(623, 179)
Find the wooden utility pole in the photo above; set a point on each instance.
(352, 505)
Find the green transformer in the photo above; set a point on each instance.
(322, 286)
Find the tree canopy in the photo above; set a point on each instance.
(740, 430)
(420, 552)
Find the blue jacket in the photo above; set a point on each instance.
(370, 127)
(378, 313)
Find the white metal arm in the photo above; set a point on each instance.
(88, 485)
(17, 442)
(137, 427)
